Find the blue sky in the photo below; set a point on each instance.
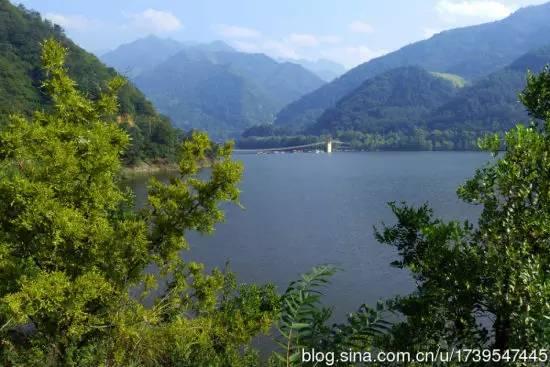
(347, 31)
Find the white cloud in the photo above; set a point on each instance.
(311, 40)
(156, 21)
(330, 39)
(237, 32)
(71, 21)
(280, 49)
(304, 40)
(246, 46)
(482, 9)
(360, 27)
(293, 46)
(351, 56)
(273, 48)
(348, 55)
(362, 53)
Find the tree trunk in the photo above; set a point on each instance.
(502, 332)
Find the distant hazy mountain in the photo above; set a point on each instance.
(214, 46)
(218, 89)
(470, 52)
(324, 69)
(143, 54)
(397, 100)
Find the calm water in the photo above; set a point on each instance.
(303, 210)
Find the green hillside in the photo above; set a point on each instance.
(492, 103)
(398, 100)
(471, 52)
(21, 76)
(457, 80)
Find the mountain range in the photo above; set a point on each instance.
(409, 98)
(137, 57)
(212, 86)
(470, 52)
(459, 82)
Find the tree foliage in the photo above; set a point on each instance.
(73, 249)
(536, 97)
(304, 322)
(21, 77)
(484, 285)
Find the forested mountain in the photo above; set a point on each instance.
(397, 100)
(203, 95)
(223, 91)
(21, 77)
(412, 109)
(491, 103)
(471, 52)
(408, 104)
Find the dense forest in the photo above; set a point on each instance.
(398, 100)
(417, 139)
(492, 103)
(21, 76)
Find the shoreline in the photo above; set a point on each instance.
(148, 169)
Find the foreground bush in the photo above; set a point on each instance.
(72, 247)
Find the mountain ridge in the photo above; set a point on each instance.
(471, 52)
(325, 69)
(221, 90)
(392, 101)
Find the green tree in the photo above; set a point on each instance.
(484, 285)
(536, 96)
(73, 249)
(304, 323)
(21, 74)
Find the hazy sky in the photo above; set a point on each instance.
(346, 31)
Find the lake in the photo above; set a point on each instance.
(305, 209)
